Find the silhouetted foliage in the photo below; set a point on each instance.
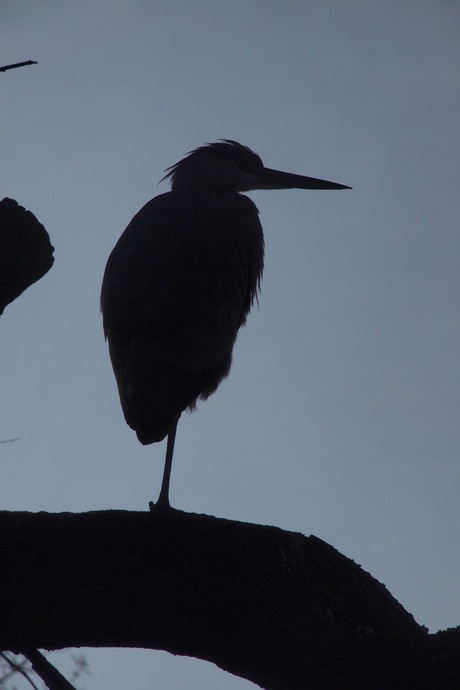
(26, 253)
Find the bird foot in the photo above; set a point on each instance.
(160, 508)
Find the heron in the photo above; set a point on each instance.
(180, 283)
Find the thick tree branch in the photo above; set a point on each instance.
(277, 608)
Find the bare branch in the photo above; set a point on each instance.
(17, 668)
(47, 672)
(18, 64)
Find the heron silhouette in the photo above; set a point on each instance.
(181, 281)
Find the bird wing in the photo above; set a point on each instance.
(177, 286)
(178, 270)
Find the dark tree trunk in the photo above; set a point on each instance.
(285, 611)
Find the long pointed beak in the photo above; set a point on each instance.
(277, 179)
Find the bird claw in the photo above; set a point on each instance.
(160, 508)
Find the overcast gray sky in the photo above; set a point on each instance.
(341, 415)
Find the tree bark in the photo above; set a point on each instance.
(285, 611)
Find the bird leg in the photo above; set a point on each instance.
(163, 499)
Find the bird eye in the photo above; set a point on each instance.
(240, 164)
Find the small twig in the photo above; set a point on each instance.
(18, 64)
(10, 440)
(18, 668)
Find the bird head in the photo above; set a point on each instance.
(226, 166)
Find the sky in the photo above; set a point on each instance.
(340, 417)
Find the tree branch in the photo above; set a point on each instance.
(18, 64)
(282, 610)
(47, 672)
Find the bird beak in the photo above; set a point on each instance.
(276, 179)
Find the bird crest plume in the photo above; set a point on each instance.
(224, 148)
